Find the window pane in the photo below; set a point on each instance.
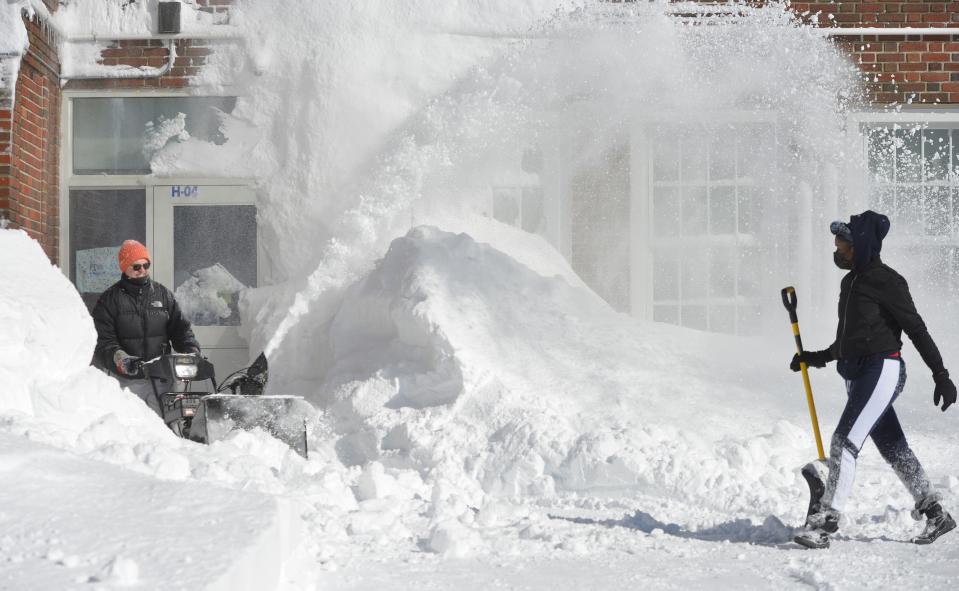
(908, 210)
(750, 274)
(883, 200)
(694, 161)
(722, 156)
(100, 220)
(214, 258)
(722, 274)
(665, 277)
(666, 160)
(668, 314)
(506, 205)
(935, 153)
(109, 133)
(938, 211)
(722, 210)
(533, 219)
(665, 212)
(908, 155)
(955, 152)
(694, 317)
(882, 154)
(749, 210)
(694, 211)
(694, 280)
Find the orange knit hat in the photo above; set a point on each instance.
(130, 252)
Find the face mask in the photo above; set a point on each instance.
(841, 261)
(138, 280)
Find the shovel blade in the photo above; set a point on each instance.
(283, 417)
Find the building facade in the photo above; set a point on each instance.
(73, 176)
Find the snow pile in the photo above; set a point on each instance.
(50, 393)
(209, 296)
(158, 134)
(47, 385)
(490, 378)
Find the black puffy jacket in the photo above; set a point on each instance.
(875, 306)
(143, 320)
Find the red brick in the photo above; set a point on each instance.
(890, 57)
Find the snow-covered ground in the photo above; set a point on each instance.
(484, 419)
(452, 450)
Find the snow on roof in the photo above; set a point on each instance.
(13, 43)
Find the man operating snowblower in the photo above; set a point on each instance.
(875, 308)
(138, 319)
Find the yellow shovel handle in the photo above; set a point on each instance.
(790, 301)
(812, 405)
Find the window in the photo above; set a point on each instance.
(707, 201)
(521, 207)
(109, 133)
(214, 259)
(914, 179)
(100, 220)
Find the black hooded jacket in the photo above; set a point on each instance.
(875, 306)
(143, 320)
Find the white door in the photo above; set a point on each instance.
(206, 251)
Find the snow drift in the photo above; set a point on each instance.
(46, 379)
(454, 359)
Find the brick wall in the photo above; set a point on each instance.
(29, 125)
(191, 55)
(900, 69)
(29, 144)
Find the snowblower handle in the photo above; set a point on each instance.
(790, 300)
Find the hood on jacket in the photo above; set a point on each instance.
(868, 229)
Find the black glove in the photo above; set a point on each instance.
(811, 358)
(126, 364)
(945, 391)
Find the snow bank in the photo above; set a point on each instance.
(490, 378)
(73, 523)
(47, 385)
(49, 394)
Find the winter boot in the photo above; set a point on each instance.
(938, 520)
(819, 526)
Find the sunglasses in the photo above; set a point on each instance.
(144, 266)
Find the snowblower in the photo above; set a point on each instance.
(195, 408)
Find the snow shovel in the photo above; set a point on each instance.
(814, 472)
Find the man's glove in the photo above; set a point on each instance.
(811, 358)
(126, 364)
(945, 390)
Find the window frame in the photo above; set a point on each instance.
(644, 187)
(147, 182)
(859, 183)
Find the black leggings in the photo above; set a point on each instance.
(872, 384)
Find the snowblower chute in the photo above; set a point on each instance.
(195, 408)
